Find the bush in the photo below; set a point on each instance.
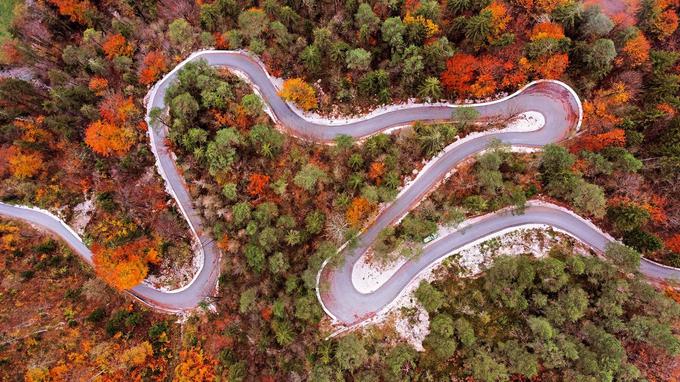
(122, 321)
(46, 247)
(643, 241)
(97, 315)
(673, 259)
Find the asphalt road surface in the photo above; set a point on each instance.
(558, 104)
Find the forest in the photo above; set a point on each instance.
(74, 141)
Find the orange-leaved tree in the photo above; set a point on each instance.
(597, 142)
(553, 67)
(541, 6)
(117, 45)
(468, 75)
(125, 266)
(600, 113)
(666, 23)
(375, 171)
(515, 73)
(673, 243)
(136, 355)
(98, 85)
(431, 28)
(459, 73)
(154, 64)
(10, 54)
(33, 130)
(116, 108)
(106, 138)
(499, 18)
(299, 92)
(195, 366)
(485, 83)
(547, 30)
(23, 163)
(113, 134)
(9, 237)
(74, 9)
(636, 50)
(357, 211)
(257, 184)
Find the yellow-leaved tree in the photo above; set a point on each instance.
(296, 90)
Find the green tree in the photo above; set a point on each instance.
(268, 238)
(311, 57)
(412, 67)
(265, 140)
(418, 229)
(431, 88)
(457, 7)
(463, 116)
(184, 107)
(283, 332)
(464, 331)
(623, 160)
(393, 33)
(475, 203)
(596, 23)
(210, 16)
(376, 83)
(649, 329)
(309, 176)
(229, 191)
(432, 138)
(401, 357)
(626, 258)
(599, 58)
(443, 347)
(541, 328)
(358, 59)
(552, 274)
(606, 348)
(255, 257)
(429, 296)
(194, 139)
(642, 241)
(265, 213)
(568, 14)
(252, 23)
(350, 352)
(597, 164)
(484, 367)
(252, 104)
(293, 237)
(278, 263)
(555, 160)
(366, 21)
(589, 198)
(247, 299)
(627, 216)
(241, 213)
(323, 39)
(570, 306)
(216, 95)
(442, 324)
(222, 151)
(478, 28)
(518, 359)
(181, 34)
(314, 222)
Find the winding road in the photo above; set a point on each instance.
(556, 102)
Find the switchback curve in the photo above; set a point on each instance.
(558, 104)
